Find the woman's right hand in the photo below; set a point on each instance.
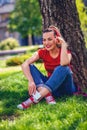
(31, 88)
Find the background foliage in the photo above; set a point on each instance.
(26, 17)
(82, 11)
(9, 43)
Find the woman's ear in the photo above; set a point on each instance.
(56, 39)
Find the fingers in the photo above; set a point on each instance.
(61, 40)
(32, 89)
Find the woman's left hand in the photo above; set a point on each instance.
(61, 41)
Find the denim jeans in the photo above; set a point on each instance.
(60, 83)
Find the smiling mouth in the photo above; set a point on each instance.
(48, 46)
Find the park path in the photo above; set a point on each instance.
(16, 68)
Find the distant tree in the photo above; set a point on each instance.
(64, 15)
(26, 18)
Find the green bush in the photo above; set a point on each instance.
(9, 43)
(17, 60)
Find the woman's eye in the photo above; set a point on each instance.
(49, 39)
(43, 40)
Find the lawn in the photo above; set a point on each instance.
(70, 113)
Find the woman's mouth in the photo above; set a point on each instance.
(48, 46)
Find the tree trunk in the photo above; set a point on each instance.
(64, 15)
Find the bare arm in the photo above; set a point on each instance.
(65, 57)
(26, 71)
(25, 65)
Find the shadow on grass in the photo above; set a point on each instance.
(12, 92)
(9, 101)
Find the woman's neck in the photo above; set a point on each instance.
(54, 53)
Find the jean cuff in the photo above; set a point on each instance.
(45, 86)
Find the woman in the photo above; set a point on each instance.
(56, 59)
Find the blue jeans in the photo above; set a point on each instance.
(60, 83)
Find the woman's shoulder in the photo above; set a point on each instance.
(43, 50)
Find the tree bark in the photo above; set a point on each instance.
(64, 15)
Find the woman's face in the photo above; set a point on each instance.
(49, 40)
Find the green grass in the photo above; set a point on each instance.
(69, 113)
(2, 64)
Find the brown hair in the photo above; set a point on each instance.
(49, 30)
(55, 29)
